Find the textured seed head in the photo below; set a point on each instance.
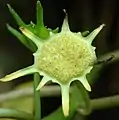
(65, 56)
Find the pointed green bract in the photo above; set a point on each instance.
(20, 23)
(65, 99)
(42, 31)
(44, 80)
(94, 33)
(19, 73)
(39, 15)
(65, 26)
(22, 38)
(39, 29)
(16, 16)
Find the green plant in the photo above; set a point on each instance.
(61, 56)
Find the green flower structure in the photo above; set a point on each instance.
(61, 58)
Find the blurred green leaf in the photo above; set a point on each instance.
(23, 103)
(15, 114)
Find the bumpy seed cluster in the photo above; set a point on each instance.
(65, 57)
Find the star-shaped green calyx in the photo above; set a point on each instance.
(62, 58)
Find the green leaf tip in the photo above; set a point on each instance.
(42, 31)
(21, 38)
(16, 16)
(39, 11)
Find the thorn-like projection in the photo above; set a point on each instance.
(65, 99)
(94, 33)
(85, 83)
(65, 26)
(19, 73)
(43, 82)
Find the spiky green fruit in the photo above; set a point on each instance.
(63, 57)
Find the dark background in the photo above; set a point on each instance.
(83, 15)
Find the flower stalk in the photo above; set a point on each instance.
(37, 101)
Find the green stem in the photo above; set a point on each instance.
(104, 103)
(37, 103)
(15, 114)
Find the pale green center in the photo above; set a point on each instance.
(65, 56)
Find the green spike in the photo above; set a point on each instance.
(21, 38)
(85, 83)
(42, 31)
(94, 33)
(44, 80)
(65, 26)
(16, 16)
(39, 11)
(65, 99)
(19, 73)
